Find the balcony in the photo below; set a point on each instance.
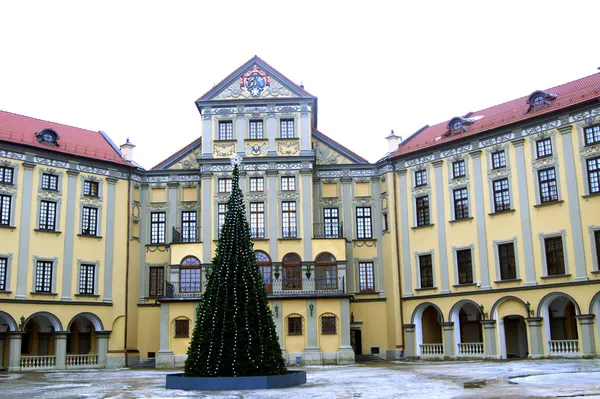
(186, 290)
(320, 286)
(328, 230)
(185, 234)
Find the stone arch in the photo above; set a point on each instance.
(52, 320)
(12, 324)
(92, 318)
(594, 302)
(458, 305)
(494, 310)
(548, 298)
(422, 306)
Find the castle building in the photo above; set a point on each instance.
(478, 237)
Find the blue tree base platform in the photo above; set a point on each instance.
(179, 381)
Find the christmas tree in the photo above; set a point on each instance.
(234, 333)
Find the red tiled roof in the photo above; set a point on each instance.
(21, 129)
(569, 94)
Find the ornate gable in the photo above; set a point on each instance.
(330, 152)
(184, 159)
(255, 80)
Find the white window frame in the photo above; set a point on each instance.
(8, 257)
(563, 235)
(470, 247)
(96, 264)
(54, 262)
(417, 255)
(497, 243)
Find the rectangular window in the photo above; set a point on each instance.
(256, 130)
(158, 227)
(288, 183)
(43, 276)
(498, 160)
(458, 169)
(257, 184)
(593, 166)
(465, 266)
(86, 279)
(288, 211)
(257, 220)
(555, 259)
(90, 188)
(6, 175)
(423, 218)
(592, 135)
(182, 328)
(5, 206)
(426, 271)
(189, 231)
(366, 273)
(385, 222)
(506, 258)
(548, 188)
(89, 221)
(420, 178)
(225, 130)
(501, 195)
(157, 281)
(331, 222)
(3, 273)
(543, 148)
(294, 325)
(328, 325)
(363, 222)
(286, 128)
(49, 182)
(47, 215)
(224, 185)
(221, 212)
(461, 203)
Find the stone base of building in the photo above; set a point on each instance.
(165, 360)
(316, 357)
(132, 360)
(394, 354)
(345, 355)
(114, 362)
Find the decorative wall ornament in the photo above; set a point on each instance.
(498, 173)
(584, 115)
(496, 140)
(541, 128)
(545, 162)
(331, 201)
(135, 211)
(366, 243)
(89, 169)
(590, 151)
(455, 151)
(52, 162)
(12, 155)
(256, 149)
(155, 179)
(418, 161)
(188, 178)
(158, 206)
(255, 81)
(384, 202)
(329, 174)
(453, 183)
(224, 150)
(288, 147)
(328, 156)
(90, 200)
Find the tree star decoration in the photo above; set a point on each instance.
(236, 160)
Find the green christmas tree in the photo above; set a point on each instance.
(234, 333)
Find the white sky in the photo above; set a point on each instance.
(134, 69)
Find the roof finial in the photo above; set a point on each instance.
(301, 85)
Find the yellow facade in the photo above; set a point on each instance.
(358, 259)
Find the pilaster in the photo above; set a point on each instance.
(489, 336)
(143, 241)
(60, 348)
(587, 339)
(110, 239)
(307, 213)
(273, 234)
(24, 230)
(573, 198)
(449, 344)
(345, 351)
(480, 220)
(347, 219)
(405, 238)
(377, 229)
(206, 216)
(165, 357)
(173, 188)
(14, 350)
(207, 135)
(536, 340)
(102, 346)
(70, 234)
(441, 228)
(271, 131)
(524, 211)
(411, 342)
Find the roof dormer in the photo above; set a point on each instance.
(540, 99)
(458, 125)
(47, 136)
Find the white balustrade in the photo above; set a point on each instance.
(87, 360)
(38, 362)
(564, 347)
(431, 350)
(470, 349)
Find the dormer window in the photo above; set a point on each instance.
(459, 124)
(540, 99)
(47, 136)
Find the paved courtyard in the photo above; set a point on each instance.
(464, 379)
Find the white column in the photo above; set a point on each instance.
(102, 347)
(14, 350)
(60, 350)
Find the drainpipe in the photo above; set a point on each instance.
(398, 243)
(127, 266)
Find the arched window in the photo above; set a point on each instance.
(292, 272)
(266, 266)
(190, 275)
(325, 272)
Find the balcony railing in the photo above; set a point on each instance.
(177, 289)
(38, 362)
(470, 349)
(185, 234)
(431, 350)
(564, 347)
(328, 230)
(308, 286)
(87, 360)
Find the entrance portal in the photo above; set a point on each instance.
(356, 341)
(515, 336)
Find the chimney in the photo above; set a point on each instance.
(393, 141)
(127, 150)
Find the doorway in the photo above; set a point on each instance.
(515, 336)
(356, 341)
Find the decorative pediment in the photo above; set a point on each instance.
(255, 80)
(184, 159)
